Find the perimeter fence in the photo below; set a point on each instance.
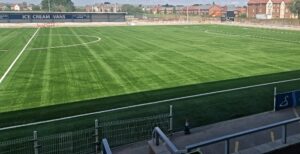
(87, 141)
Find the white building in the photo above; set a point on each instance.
(16, 7)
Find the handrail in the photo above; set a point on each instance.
(226, 138)
(105, 147)
(158, 134)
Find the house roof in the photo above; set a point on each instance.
(266, 1)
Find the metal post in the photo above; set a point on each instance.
(284, 132)
(227, 146)
(96, 135)
(103, 151)
(171, 119)
(275, 93)
(156, 138)
(35, 142)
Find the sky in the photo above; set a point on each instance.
(149, 2)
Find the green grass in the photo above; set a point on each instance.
(133, 65)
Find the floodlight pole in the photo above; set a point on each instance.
(49, 7)
(187, 13)
(94, 6)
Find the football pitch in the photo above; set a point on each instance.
(51, 67)
(127, 60)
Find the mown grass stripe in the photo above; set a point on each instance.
(18, 56)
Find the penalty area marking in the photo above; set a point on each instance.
(98, 39)
(19, 55)
(148, 104)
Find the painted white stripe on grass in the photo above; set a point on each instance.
(19, 55)
(150, 103)
(98, 39)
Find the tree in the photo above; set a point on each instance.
(58, 5)
(295, 7)
(244, 15)
(174, 10)
(7, 8)
(36, 8)
(132, 10)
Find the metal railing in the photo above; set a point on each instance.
(158, 134)
(227, 138)
(88, 140)
(105, 147)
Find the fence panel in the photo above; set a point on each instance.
(78, 142)
(18, 146)
(129, 131)
(84, 141)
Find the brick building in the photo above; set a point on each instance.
(161, 9)
(270, 9)
(216, 11)
(103, 7)
(241, 11)
(202, 10)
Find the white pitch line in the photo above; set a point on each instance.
(71, 45)
(150, 103)
(19, 55)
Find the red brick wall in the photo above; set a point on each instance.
(215, 11)
(276, 10)
(254, 9)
